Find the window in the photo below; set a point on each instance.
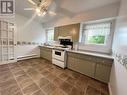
(96, 34)
(49, 35)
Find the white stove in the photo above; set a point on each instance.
(59, 56)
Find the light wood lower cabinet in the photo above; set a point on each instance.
(46, 53)
(102, 72)
(86, 67)
(81, 65)
(95, 67)
(72, 63)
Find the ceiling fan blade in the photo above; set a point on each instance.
(52, 13)
(45, 3)
(32, 2)
(29, 9)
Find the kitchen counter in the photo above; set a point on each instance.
(92, 54)
(51, 47)
(102, 55)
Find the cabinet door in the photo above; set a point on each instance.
(86, 67)
(43, 53)
(102, 72)
(81, 65)
(46, 53)
(75, 31)
(65, 31)
(49, 55)
(68, 30)
(72, 63)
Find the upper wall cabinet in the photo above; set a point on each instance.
(68, 30)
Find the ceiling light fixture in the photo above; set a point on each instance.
(44, 13)
(38, 10)
(41, 12)
(52, 13)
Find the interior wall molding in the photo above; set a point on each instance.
(21, 43)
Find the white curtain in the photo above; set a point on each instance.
(96, 29)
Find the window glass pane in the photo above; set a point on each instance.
(96, 39)
(96, 33)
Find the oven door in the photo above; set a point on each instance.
(58, 54)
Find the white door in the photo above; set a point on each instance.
(7, 42)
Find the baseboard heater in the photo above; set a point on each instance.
(27, 57)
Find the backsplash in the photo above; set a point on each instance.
(21, 43)
(122, 59)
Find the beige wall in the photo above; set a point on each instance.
(118, 82)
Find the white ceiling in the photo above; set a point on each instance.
(71, 7)
(77, 6)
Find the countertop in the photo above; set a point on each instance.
(102, 55)
(92, 54)
(51, 47)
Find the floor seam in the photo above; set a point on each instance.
(32, 80)
(52, 81)
(16, 80)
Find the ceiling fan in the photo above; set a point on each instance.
(41, 7)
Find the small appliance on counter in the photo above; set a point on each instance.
(67, 43)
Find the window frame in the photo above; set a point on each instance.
(103, 48)
(105, 41)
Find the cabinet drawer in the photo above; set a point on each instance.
(82, 56)
(104, 60)
(91, 58)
